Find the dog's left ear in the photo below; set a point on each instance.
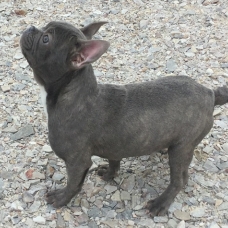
(92, 28)
(88, 52)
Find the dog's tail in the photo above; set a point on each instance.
(221, 95)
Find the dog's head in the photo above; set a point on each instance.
(59, 48)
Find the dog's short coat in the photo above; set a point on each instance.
(114, 121)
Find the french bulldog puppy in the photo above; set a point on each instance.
(114, 121)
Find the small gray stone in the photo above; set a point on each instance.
(1, 148)
(60, 223)
(181, 224)
(11, 129)
(47, 148)
(129, 183)
(83, 218)
(182, 215)
(209, 200)
(154, 49)
(198, 212)
(18, 86)
(111, 214)
(171, 65)
(172, 223)
(161, 219)
(126, 214)
(5, 88)
(18, 55)
(221, 124)
(23, 132)
(146, 223)
(208, 149)
(92, 224)
(151, 190)
(57, 177)
(223, 165)
(225, 147)
(214, 225)
(109, 189)
(208, 165)
(98, 73)
(16, 206)
(24, 64)
(139, 2)
(224, 65)
(84, 205)
(1, 184)
(94, 212)
(35, 206)
(39, 220)
(143, 24)
(125, 195)
(223, 206)
(116, 196)
(27, 197)
(15, 220)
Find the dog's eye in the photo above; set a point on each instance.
(45, 39)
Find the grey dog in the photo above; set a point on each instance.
(114, 121)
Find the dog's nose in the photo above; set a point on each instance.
(32, 28)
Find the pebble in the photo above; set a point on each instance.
(223, 206)
(60, 223)
(16, 205)
(143, 24)
(181, 224)
(116, 196)
(18, 55)
(172, 223)
(47, 148)
(23, 132)
(129, 183)
(182, 215)
(225, 147)
(209, 165)
(57, 177)
(125, 195)
(27, 197)
(109, 189)
(213, 225)
(171, 65)
(39, 220)
(198, 212)
(5, 88)
(160, 219)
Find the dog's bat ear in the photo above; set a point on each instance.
(88, 52)
(92, 28)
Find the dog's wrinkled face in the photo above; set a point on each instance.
(59, 48)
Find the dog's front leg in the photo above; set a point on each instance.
(76, 172)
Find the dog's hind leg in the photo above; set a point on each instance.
(108, 172)
(179, 160)
(76, 174)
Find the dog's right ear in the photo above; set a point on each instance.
(87, 52)
(92, 28)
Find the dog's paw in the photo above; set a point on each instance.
(58, 198)
(157, 208)
(104, 172)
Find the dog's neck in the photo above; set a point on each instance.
(80, 83)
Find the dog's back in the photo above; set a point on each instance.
(149, 116)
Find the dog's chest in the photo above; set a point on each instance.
(43, 96)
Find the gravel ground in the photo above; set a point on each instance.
(149, 39)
